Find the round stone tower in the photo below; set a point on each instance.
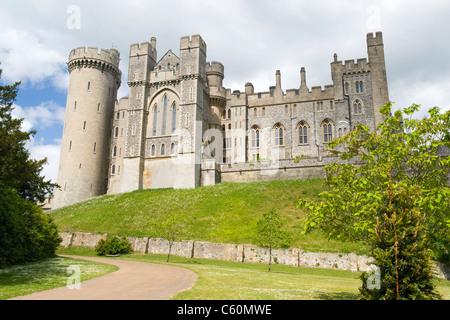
(217, 93)
(83, 169)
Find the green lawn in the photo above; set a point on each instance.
(45, 275)
(224, 213)
(218, 280)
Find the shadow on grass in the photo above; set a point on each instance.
(338, 296)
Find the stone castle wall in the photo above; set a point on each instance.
(240, 253)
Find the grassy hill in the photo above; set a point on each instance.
(224, 213)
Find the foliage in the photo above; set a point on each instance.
(112, 246)
(270, 232)
(17, 170)
(403, 153)
(401, 252)
(172, 226)
(26, 233)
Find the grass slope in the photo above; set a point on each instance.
(224, 213)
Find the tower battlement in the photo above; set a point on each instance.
(91, 57)
(195, 41)
(374, 40)
(215, 68)
(144, 48)
(111, 56)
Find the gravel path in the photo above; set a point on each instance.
(133, 281)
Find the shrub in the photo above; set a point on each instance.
(27, 234)
(112, 246)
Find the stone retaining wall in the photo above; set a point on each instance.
(238, 253)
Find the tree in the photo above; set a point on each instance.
(171, 227)
(17, 169)
(26, 233)
(270, 232)
(394, 177)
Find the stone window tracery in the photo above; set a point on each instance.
(357, 107)
(327, 129)
(302, 133)
(279, 134)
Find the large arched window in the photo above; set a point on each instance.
(174, 117)
(153, 150)
(155, 119)
(229, 113)
(279, 134)
(357, 106)
(327, 129)
(164, 124)
(163, 149)
(255, 133)
(302, 129)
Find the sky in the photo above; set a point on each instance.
(251, 38)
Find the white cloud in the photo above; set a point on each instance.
(45, 115)
(40, 151)
(25, 58)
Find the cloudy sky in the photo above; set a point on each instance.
(252, 38)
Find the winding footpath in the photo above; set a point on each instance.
(133, 281)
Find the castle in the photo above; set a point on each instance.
(180, 128)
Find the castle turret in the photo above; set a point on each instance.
(217, 93)
(375, 49)
(83, 169)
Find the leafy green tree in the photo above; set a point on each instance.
(17, 169)
(270, 232)
(171, 226)
(26, 233)
(369, 184)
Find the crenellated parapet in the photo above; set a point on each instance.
(90, 57)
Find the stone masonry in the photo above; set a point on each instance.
(239, 253)
(180, 127)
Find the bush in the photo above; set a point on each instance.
(112, 246)
(27, 234)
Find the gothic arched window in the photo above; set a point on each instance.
(327, 128)
(174, 117)
(155, 119)
(302, 133)
(279, 134)
(359, 87)
(164, 116)
(357, 107)
(255, 132)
